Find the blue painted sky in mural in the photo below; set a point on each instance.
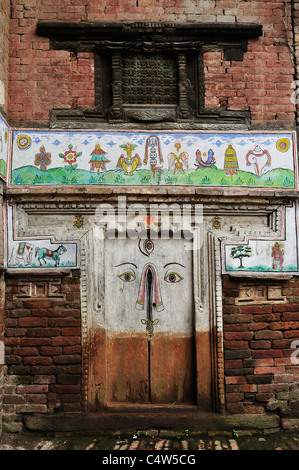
(28, 143)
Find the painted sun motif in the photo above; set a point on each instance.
(23, 142)
(283, 145)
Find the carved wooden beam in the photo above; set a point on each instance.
(97, 31)
(88, 36)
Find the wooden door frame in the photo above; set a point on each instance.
(207, 291)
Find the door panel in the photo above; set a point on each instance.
(172, 369)
(127, 369)
(149, 321)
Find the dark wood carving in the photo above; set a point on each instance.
(148, 72)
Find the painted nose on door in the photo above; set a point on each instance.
(149, 297)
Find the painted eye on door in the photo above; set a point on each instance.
(127, 276)
(173, 277)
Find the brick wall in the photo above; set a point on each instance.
(4, 50)
(259, 373)
(295, 17)
(43, 352)
(2, 297)
(42, 79)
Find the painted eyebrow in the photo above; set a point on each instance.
(125, 263)
(174, 263)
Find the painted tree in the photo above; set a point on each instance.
(240, 252)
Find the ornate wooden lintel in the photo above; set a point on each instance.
(88, 34)
(117, 39)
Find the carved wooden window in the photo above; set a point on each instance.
(148, 72)
(150, 87)
(149, 79)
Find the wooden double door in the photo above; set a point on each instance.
(149, 322)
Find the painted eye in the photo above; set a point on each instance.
(127, 276)
(173, 277)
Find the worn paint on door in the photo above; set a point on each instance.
(149, 321)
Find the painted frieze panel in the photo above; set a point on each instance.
(265, 255)
(4, 147)
(37, 252)
(192, 158)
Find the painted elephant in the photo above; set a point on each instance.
(21, 254)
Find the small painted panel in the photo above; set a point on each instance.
(4, 147)
(37, 252)
(192, 158)
(268, 255)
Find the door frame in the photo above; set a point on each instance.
(207, 292)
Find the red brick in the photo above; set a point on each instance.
(266, 334)
(262, 344)
(67, 359)
(235, 380)
(32, 389)
(31, 408)
(65, 389)
(50, 351)
(26, 351)
(266, 353)
(256, 309)
(32, 322)
(234, 397)
(66, 340)
(37, 398)
(238, 335)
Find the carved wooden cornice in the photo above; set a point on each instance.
(84, 35)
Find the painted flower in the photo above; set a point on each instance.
(70, 156)
(42, 159)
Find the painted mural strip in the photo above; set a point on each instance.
(265, 255)
(4, 147)
(59, 158)
(37, 252)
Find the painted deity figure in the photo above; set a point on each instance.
(278, 256)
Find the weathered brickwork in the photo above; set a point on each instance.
(4, 50)
(42, 79)
(42, 353)
(259, 373)
(43, 333)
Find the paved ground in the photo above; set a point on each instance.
(145, 441)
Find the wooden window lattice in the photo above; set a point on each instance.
(149, 80)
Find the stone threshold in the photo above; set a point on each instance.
(124, 422)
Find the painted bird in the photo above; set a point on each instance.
(129, 164)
